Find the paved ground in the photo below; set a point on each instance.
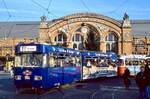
(102, 89)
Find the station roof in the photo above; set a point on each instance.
(30, 29)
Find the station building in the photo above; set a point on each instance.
(81, 31)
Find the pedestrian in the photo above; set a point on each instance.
(12, 71)
(141, 82)
(147, 74)
(126, 79)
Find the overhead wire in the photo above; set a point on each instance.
(44, 8)
(9, 14)
(84, 4)
(49, 4)
(9, 17)
(114, 11)
(120, 5)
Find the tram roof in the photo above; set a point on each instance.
(133, 56)
(96, 54)
(37, 48)
(72, 51)
(43, 48)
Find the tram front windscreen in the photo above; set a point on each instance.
(27, 60)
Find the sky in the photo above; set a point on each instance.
(32, 10)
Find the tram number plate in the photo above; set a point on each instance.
(27, 48)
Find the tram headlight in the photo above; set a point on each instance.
(27, 77)
(37, 77)
(17, 77)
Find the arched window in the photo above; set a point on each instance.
(61, 38)
(77, 38)
(111, 37)
(141, 44)
(111, 42)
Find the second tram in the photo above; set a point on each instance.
(133, 62)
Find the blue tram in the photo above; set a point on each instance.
(46, 66)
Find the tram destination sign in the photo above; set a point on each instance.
(28, 48)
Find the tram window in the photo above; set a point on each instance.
(95, 57)
(70, 61)
(133, 62)
(103, 64)
(60, 61)
(136, 63)
(140, 63)
(88, 57)
(78, 61)
(120, 62)
(127, 62)
(51, 61)
(31, 59)
(17, 61)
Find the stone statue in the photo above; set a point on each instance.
(43, 23)
(126, 21)
(43, 18)
(85, 40)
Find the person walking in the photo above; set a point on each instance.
(126, 79)
(147, 74)
(12, 71)
(141, 82)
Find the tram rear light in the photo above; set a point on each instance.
(37, 77)
(17, 77)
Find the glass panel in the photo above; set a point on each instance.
(31, 59)
(78, 37)
(52, 61)
(60, 60)
(72, 61)
(111, 37)
(17, 61)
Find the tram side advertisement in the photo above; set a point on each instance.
(94, 68)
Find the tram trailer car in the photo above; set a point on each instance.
(43, 66)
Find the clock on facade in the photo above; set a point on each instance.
(84, 29)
